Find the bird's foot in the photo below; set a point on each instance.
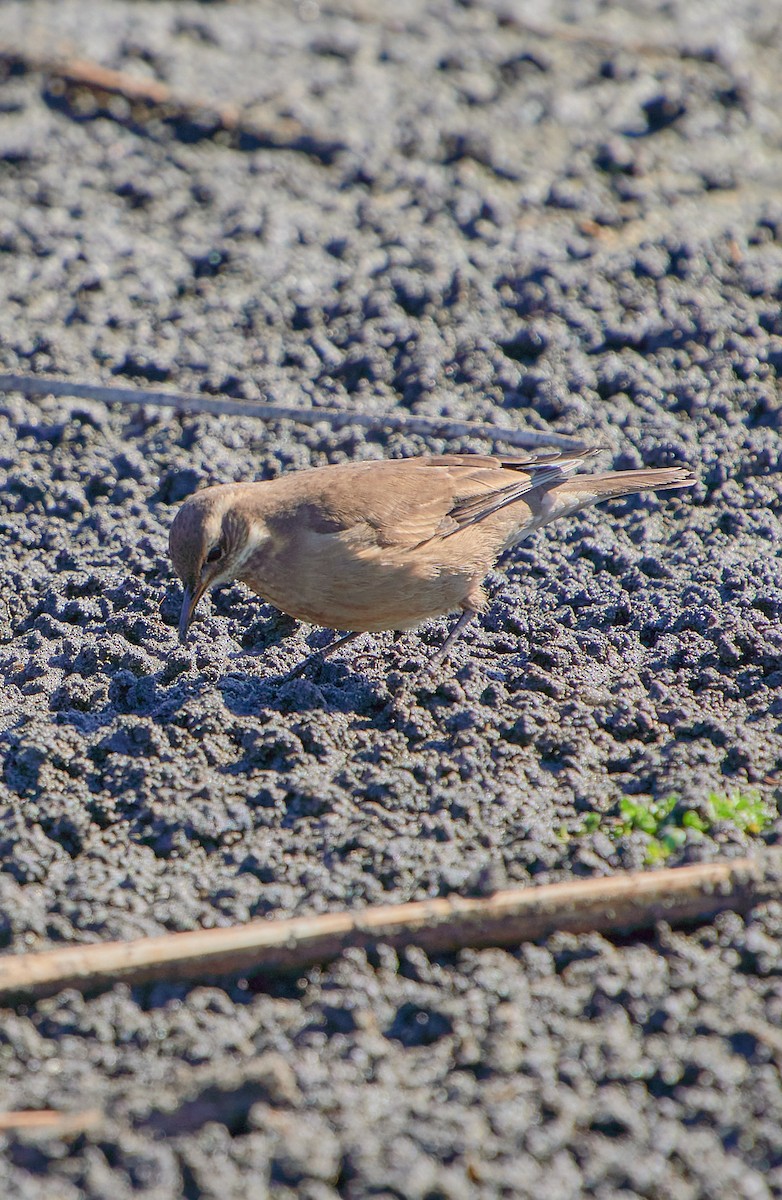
(439, 657)
(319, 655)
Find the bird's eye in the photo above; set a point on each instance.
(215, 554)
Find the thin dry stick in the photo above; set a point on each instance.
(40, 385)
(52, 1121)
(280, 133)
(585, 35)
(620, 903)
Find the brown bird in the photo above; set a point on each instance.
(383, 545)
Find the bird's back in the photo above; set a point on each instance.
(388, 544)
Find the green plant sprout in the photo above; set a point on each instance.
(666, 828)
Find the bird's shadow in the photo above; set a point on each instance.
(276, 667)
(356, 682)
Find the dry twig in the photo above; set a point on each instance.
(617, 904)
(50, 1121)
(39, 385)
(149, 98)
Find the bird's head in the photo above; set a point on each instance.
(210, 542)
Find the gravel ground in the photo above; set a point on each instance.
(565, 216)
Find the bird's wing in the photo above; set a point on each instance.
(532, 472)
(406, 502)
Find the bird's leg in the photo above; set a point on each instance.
(319, 655)
(457, 631)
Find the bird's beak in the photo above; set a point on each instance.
(190, 601)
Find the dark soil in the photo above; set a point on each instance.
(574, 225)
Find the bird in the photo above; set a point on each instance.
(369, 546)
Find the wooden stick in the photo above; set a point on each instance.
(41, 385)
(249, 132)
(587, 35)
(52, 1121)
(617, 904)
(93, 75)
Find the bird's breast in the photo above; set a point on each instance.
(350, 583)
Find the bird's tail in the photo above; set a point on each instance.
(582, 490)
(623, 483)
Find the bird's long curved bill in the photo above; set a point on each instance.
(190, 600)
